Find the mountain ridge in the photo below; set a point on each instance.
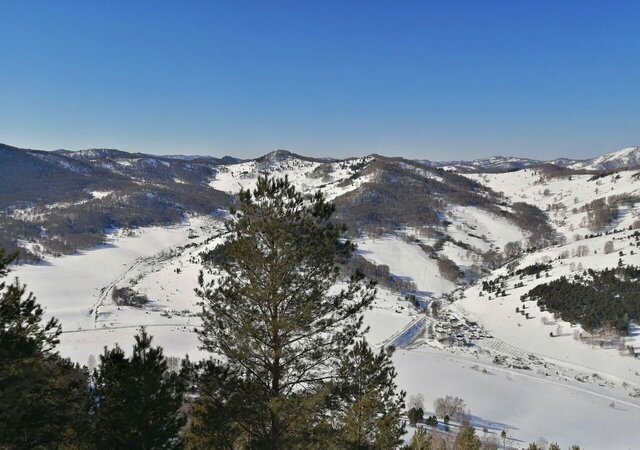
(625, 158)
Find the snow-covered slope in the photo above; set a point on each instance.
(306, 174)
(566, 198)
(626, 158)
(492, 164)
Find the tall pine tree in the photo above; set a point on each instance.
(138, 401)
(274, 317)
(44, 400)
(367, 405)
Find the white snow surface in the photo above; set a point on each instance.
(560, 196)
(627, 157)
(77, 290)
(528, 406)
(494, 231)
(406, 260)
(305, 175)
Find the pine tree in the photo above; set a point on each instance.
(421, 440)
(415, 415)
(44, 401)
(369, 405)
(220, 410)
(138, 400)
(272, 317)
(467, 439)
(113, 413)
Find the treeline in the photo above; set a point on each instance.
(533, 219)
(533, 269)
(401, 193)
(603, 211)
(600, 213)
(594, 299)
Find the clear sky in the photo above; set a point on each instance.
(423, 79)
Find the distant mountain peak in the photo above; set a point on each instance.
(280, 155)
(627, 157)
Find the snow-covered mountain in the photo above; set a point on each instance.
(626, 158)
(492, 164)
(374, 193)
(472, 237)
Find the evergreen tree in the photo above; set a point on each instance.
(369, 405)
(220, 410)
(467, 439)
(113, 413)
(273, 317)
(138, 400)
(421, 440)
(415, 415)
(44, 399)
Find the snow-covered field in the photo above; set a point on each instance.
(528, 406)
(527, 403)
(487, 230)
(77, 290)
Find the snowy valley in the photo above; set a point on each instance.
(454, 247)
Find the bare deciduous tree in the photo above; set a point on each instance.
(453, 407)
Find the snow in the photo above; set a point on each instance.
(494, 231)
(73, 287)
(100, 194)
(406, 260)
(526, 405)
(566, 193)
(627, 157)
(546, 401)
(77, 289)
(234, 177)
(532, 336)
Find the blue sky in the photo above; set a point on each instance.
(423, 79)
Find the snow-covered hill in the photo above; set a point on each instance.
(492, 164)
(441, 234)
(568, 199)
(626, 158)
